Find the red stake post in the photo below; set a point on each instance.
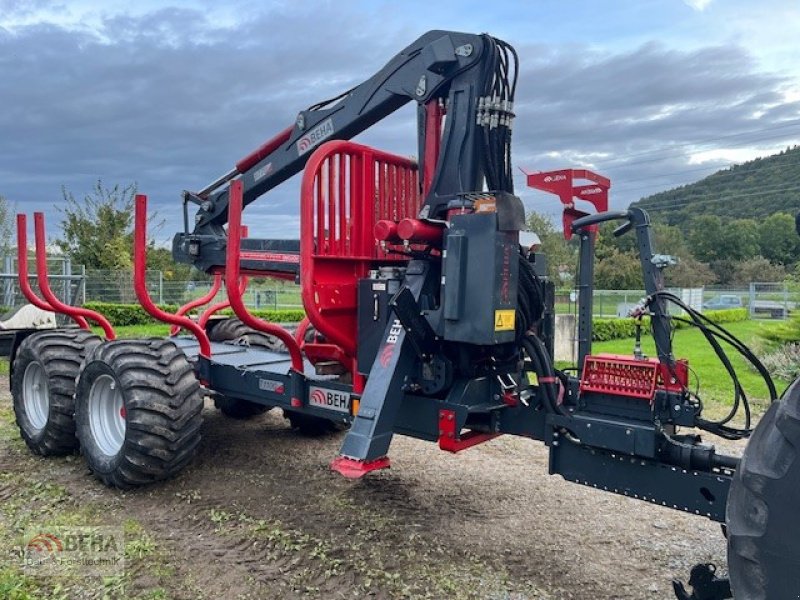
(22, 267)
(44, 284)
(183, 310)
(140, 285)
(232, 270)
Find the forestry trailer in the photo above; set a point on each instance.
(428, 315)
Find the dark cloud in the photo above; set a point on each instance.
(171, 100)
(638, 116)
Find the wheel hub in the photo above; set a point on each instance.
(107, 415)
(36, 395)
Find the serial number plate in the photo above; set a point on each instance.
(329, 399)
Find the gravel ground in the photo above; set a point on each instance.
(258, 514)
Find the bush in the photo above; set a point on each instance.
(787, 332)
(784, 362)
(604, 330)
(133, 314)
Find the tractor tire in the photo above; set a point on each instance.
(137, 411)
(236, 408)
(233, 330)
(312, 426)
(43, 388)
(763, 526)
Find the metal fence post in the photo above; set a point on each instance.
(8, 287)
(67, 281)
(752, 299)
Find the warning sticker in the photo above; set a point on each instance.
(504, 320)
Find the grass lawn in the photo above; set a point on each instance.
(714, 381)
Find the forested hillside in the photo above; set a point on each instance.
(753, 189)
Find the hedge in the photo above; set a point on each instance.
(604, 330)
(132, 314)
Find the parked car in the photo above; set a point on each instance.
(723, 301)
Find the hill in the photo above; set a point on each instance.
(754, 189)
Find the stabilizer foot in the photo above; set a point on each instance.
(356, 469)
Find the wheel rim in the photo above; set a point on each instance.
(107, 414)
(36, 395)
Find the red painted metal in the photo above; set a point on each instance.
(434, 115)
(675, 379)
(140, 284)
(192, 304)
(22, 267)
(416, 231)
(386, 231)
(454, 441)
(232, 280)
(47, 292)
(355, 469)
(562, 184)
(222, 305)
(267, 148)
(300, 332)
(347, 188)
(620, 375)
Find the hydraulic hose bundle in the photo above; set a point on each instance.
(714, 334)
(495, 113)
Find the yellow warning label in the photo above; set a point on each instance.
(504, 320)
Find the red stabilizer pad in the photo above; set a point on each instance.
(355, 469)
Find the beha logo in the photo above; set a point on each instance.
(45, 542)
(386, 356)
(387, 352)
(313, 138)
(330, 399)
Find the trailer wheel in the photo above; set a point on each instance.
(237, 408)
(312, 426)
(137, 411)
(233, 330)
(43, 388)
(763, 527)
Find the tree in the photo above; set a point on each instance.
(618, 271)
(97, 231)
(711, 239)
(560, 254)
(689, 273)
(757, 269)
(778, 239)
(6, 227)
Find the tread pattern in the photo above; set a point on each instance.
(163, 406)
(61, 353)
(233, 330)
(763, 528)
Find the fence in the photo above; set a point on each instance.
(75, 285)
(763, 300)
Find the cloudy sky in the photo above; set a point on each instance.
(652, 93)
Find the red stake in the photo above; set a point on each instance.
(44, 284)
(232, 269)
(198, 302)
(140, 285)
(22, 267)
